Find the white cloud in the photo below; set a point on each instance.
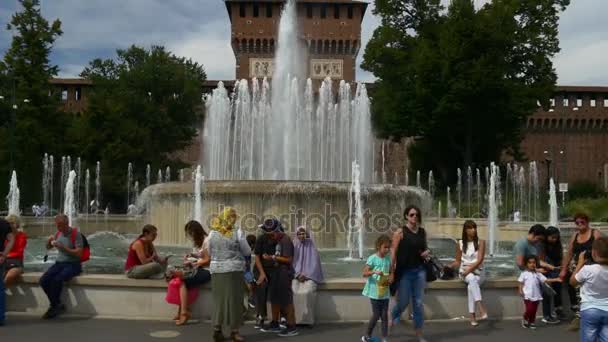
(214, 54)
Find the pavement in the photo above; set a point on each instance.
(68, 329)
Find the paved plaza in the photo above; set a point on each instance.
(92, 330)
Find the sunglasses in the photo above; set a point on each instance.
(579, 222)
(412, 215)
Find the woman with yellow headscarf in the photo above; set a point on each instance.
(227, 250)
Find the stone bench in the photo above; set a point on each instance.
(339, 300)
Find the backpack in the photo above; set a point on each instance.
(86, 248)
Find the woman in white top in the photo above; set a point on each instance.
(593, 280)
(470, 252)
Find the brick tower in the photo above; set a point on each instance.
(329, 29)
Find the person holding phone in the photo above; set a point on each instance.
(581, 242)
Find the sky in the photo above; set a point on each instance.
(200, 29)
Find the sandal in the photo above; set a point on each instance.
(183, 318)
(235, 337)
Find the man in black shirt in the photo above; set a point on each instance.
(273, 259)
(6, 234)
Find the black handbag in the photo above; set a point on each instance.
(433, 269)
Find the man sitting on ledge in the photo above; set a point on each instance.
(66, 267)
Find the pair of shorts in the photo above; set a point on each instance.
(13, 263)
(249, 278)
(279, 287)
(199, 277)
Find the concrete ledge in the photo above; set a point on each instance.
(338, 300)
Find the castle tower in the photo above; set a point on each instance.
(330, 31)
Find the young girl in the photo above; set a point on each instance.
(530, 288)
(377, 271)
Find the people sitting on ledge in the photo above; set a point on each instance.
(13, 265)
(142, 260)
(69, 245)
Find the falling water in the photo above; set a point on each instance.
(168, 174)
(383, 165)
(508, 182)
(147, 175)
(198, 195)
(449, 203)
(288, 133)
(431, 186)
(418, 181)
(129, 181)
(478, 181)
(355, 241)
(396, 179)
(45, 180)
(135, 192)
(469, 188)
(78, 180)
(492, 209)
(87, 194)
(181, 175)
(523, 197)
(50, 178)
(63, 180)
(159, 176)
(459, 190)
(407, 177)
(534, 189)
(13, 196)
(553, 217)
(69, 205)
(97, 187)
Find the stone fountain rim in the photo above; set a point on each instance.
(280, 187)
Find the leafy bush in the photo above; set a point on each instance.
(584, 189)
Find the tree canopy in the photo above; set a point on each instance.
(30, 123)
(145, 105)
(463, 80)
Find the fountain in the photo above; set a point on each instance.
(492, 209)
(87, 196)
(69, 206)
(459, 190)
(553, 217)
(97, 187)
(355, 226)
(148, 175)
(198, 197)
(284, 148)
(13, 196)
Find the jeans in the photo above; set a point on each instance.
(2, 295)
(52, 280)
(411, 288)
(379, 311)
(594, 325)
(557, 299)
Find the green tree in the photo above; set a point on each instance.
(35, 126)
(461, 80)
(144, 106)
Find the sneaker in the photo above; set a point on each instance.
(474, 323)
(283, 323)
(251, 302)
(550, 320)
(259, 322)
(289, 332)
(273, 327)
(51, 313)
(366, 339)
(532, 326)
(525, 324)
(575, 324)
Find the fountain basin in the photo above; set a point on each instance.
(322, 206)
(339, 300)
